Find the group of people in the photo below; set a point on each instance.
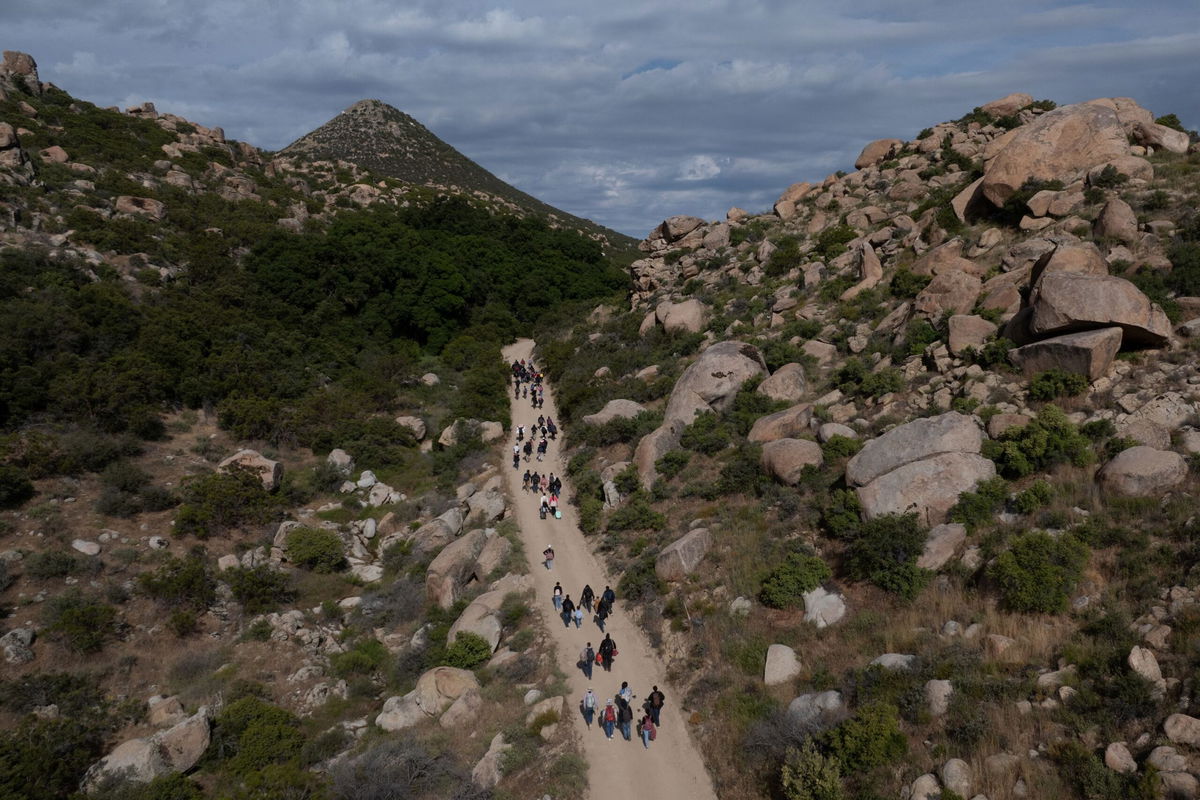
(527, 382)
(617, 713)
(572, 612)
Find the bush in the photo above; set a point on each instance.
(1055, 383)
(1037, 495)
(993, 354)
(15, 486)
(364, 658)
(315, 549)
(183, 623)
(1037, 572)
(838, 446)
(46, 759)
(1109, 178)
(50, 564)
(393, 768)
(784, 586)
(250, 733)
(591, 511)
(908, 284)
(1048, 440)
(808, 774)
(785, 257)
(672, 463)
(978, 508)
(832, 242)
(640, 581)
(854, 378)
(628, 480)
(81, 622)
(124, 476)
(468, 651)
(841, 514)
(706, 434)
(222, 500)
(1086, 771)
(885, 553)
(259, 589)
(636, 515)
(185, 583)
(869, 739)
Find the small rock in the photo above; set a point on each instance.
(1118, 758)
(86, 547)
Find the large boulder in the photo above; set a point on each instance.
(486, 506)
(1089, 353)
(675, 228)
(436, 690)
(686, 317)
(1083, 257)
(1008, 105)
(481, 619)
(941, 544)
(615, 409)
(786, 459)
(951, 292)
(876, 151)
(1182, 729)
(487, 773)
(786, 424)
(788, 384)
(782, 665)
(951, 432)
(453, 567)
(1143, 472)
(1066, 302)
(928, 488)
(176, 749)
(1058, 145)
(1152, 134)
(415, 425)
(823, 607)
(1116, 221)
(817, 708)
(17, 646)
(141, 207)
(870, 272)
(269, 472)
(681, 557)
(969, 331)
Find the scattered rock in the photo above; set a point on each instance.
(816, 708)
(176, 749)
(414, 425)
(876, 151)
(681, 557)
(968, 331)
(786, 460)
(926, 787)
(1116, 221)
(615, 409)
(956, 776)
(937, 696)
(436, 690)
(689, 316)
(1182, 729)
(86, 547)
(1066, 302)
(787, 384)
(1118, 758)
(17, 646)
(1143, 472)
(1090, 353)
(487, 773)
(782, 665)
(941, 545)
(823, 607)
(141, 207)
(786, 424)
(340, 460)
(951, 432)
(895, 661)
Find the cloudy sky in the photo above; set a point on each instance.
(623, 111)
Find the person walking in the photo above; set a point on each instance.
(608, 718)
(557, 596)
(647, 730)
(587, 660)
(568, 611)
(609, 597)
(516, 456)
(528, 449)
(625, 719)
(654, 704)
(577, 616)
(608, 650)
(586, 597)
(548, 557)
(525, 481)
(625, 693)
(587, 707)
(601, 615)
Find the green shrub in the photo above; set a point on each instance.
(841, 514)
(591, 513)
(1109, 178)
(50, 564)
(1098, 429)
(15, 486)
(1087, 773)
(183, 622)
(809, 774)
(640, 581)
(993, 354)
(1055, 383)
(259, 589)
(785, 585)
(1037, 495)
(47, 759)
(869, 739)
(672, 463)
(1048, 439)
(124, 476)
(979, 507)
(786, 256)
(618, 429)
(1037, 572)
(885, 552)
(838, 446)
(636, 515)
(367, 656)
(832, 242)
(185, 583)
(855, 379)
(468, 651)
(706, 434)
(315, 549)
(628, 480)
(222, 500)
(908, 284)
(250, 733)
(81, 622)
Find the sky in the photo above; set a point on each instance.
(622, 111)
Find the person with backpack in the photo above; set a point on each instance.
(548, 557)
(525, 481)
(587, 707)
(587, 660)
(586, 597)
(609, 597)
(647, 730)
(557, 595)
(568, 611)
(554, 506)
(541, 449)
(516, 456)
(654, 704)
(601, 615)
(608, 650)
(625, 719)
(528, 449)
(608, 718)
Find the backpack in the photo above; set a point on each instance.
(609, 714)
(589, 701)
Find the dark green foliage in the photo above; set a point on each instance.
(832, 241)
(74, 694)
(15, 486)
(250, 733)
(785, 585)
(636, 515)
(809, 774)
(619, 429)
(315, 549)
(749, 405)
(591, 510)
(706, 434)
(777, 352)
(398, 768)
(640, 581)
(978, 508)
(367, 656)
(1037, 495)
(259, 589)
(46, 759)
(81, 622)
(1087, 773)
(1098, 429)
(1184, 277)
(1172, 121)
(672, 463)
(840, 514)
(1109, 178)
(1048, 440)
(1037, 572)
(869, 739)
(1055, 383)
(628, 480)
(908, 284)
(785, 257)
(51, 564)
(741, 473)
(222, 500)
(839, 446)
(919, 335)
(856, 379)
(184, 583)
(884, 551)
(468, 651)
(173, 786)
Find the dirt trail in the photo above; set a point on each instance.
(671, 769)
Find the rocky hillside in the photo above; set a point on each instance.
(903, 471)
(384, 140)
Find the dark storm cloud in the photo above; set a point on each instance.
(625, 112)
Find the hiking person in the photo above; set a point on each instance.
(568, 611)
(586, 597)
(647, 730)
(520, 433)
(601, 615)
(557, 595)
(587, 660)
(535, 481)
(625, 693)
(654, 704)
(545, 483)
(608, 649)
(525, 481)
(554, 505)
(541, 420)
(625, 719)
(577, 615)
(609, 597)
(548, 557)
(587, 707)
(528, 449)
(608, 717)
(544, 506)
(541, 450)
(516, 456)
(552, 429)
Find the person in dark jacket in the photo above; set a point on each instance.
(607, 648)
(610, 597)
(654, 704)
(625, 718)
(601, 615)
(586, 597)
(568, 609)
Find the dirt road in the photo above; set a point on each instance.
(671, 769)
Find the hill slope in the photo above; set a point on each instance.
(388, 142)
